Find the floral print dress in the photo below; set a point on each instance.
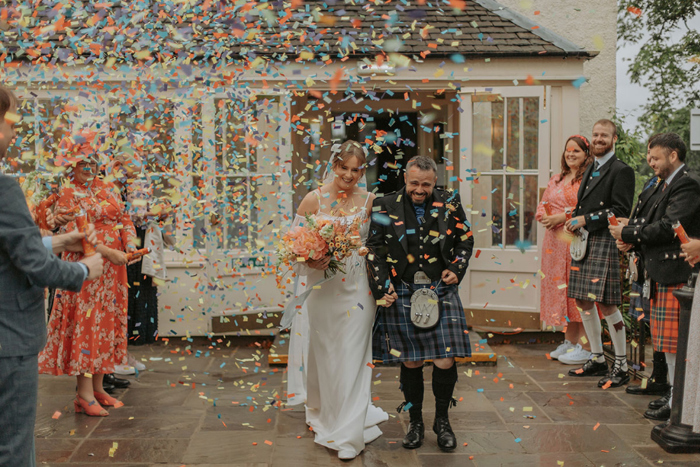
(87, 330)
(555, 306)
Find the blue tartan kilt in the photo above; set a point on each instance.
(639, 305)
(393, 329)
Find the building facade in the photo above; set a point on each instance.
(241, 111)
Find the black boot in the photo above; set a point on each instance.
(657, 384)
(443, 388)
(413, 390)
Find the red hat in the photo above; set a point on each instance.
(80, 146)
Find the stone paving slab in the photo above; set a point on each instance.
(204, 405)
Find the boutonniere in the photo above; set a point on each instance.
(451, 207)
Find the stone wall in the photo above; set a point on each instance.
(593, 25)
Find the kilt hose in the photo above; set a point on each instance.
(665, 313)
(638, 304)
(596, 277)
(396, 339)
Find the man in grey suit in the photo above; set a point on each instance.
(27, 265)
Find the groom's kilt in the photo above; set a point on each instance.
(407, 343)
(596, 278)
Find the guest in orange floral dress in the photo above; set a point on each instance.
(87, 329)
(556, 309)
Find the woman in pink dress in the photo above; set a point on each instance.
(556, 309)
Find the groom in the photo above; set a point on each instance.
(419, 238)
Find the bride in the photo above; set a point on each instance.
(340, 313)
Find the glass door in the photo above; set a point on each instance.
(507, 159)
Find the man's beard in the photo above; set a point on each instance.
(603, 152)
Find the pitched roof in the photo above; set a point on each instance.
(85, 32)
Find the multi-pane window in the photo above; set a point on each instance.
(45, 121)
(246, 173)
(505, 152)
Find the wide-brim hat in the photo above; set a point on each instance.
(82, 146)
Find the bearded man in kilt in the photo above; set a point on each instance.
(640, 307)
(419, 239)
(607, 187)
(667, 271)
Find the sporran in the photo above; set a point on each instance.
(425, 308)
(579, 244)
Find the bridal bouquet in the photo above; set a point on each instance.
(318, 238)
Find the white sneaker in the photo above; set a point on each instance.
(124, 370)
(135, 363)
(577, 356)
(561, 350)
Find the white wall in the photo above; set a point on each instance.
(593, 25)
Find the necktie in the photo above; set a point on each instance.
(597, 166)
(664, 187)
(420, 213)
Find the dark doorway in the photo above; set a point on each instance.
(395, 134)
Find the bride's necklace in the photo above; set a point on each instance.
(343, 201)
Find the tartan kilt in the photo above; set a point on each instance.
(447, 339)
(638, 304)
(602, 262)
(665, 314)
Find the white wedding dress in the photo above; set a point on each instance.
(339, 314)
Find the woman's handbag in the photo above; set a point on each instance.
(579, 244)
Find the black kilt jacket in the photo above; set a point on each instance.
(388, 255)
(611, 189)
(639, 215)
(654, 234)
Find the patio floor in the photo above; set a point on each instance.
(197, 405)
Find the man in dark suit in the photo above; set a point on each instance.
(640, 308)
(420, 240)
(666, 270)
(27, 265)
(607, 187)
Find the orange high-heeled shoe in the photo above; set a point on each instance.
(107, 401)
(93, 409)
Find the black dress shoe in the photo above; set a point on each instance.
(415, 435)
(663, 413)
(616, 376)
(116, 382)
(591, 368)
(658, 403)
(445, 436)
(653, 389)
(109, 388)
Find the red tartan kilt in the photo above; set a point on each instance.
(665, 313)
